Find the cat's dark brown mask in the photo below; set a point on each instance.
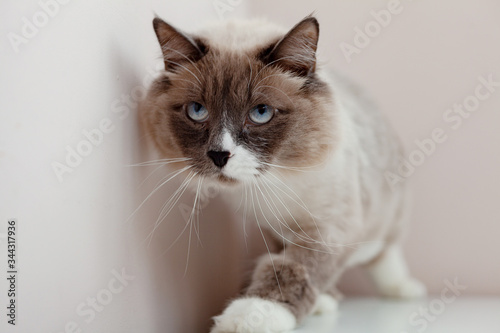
(236, 102)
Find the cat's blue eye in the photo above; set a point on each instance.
(261, 114)
(197, 112)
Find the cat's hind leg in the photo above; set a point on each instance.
(325, 304)
(328, 301)
(390, 274)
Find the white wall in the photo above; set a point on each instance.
(73, 75)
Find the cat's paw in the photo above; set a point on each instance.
(405, 288)
(325, 304)
(254, 315)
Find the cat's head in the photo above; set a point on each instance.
(241, 98)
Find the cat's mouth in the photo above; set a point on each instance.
(232, 177)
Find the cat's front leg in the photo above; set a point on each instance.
(285, 288)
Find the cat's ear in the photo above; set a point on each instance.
(177, 48)
(296, 51)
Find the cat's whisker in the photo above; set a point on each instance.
(251, 72)
(281, 91)
(170, 204)
(301, 204)
(191, 223)
(282, 220)
(269, 64)
(309, 168)
(301, 237)
(178, 237)
(151, 174)
(188, 248)
(187, 69)
(166, 48)
(281, 229)
(265, 242)
(197, 208)
(157, 188)
(245, 212)
(172, 201)
(322, 242)
(271, 75)
(281, 235)
(184, 80)
(163, 161)
(257, 93)
(240, 204)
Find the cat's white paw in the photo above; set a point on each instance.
(254, 315)
(405, 288)
(325, 304)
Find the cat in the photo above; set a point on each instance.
(243, 104)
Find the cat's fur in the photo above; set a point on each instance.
(313, 175)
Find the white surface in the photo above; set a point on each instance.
(371, 315)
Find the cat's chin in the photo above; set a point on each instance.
(226, 180)
(223, 180)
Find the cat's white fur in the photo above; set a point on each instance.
(325, 304)
(242, 164)
(254, 315)
(392, 278)
(240, 34)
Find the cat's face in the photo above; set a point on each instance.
(235, 113)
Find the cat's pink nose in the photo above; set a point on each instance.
(220, 158)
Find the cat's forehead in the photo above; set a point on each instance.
(226, 81)
(241, 35)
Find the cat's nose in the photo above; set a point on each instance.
(219, 157)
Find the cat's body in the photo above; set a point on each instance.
(303, 150)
